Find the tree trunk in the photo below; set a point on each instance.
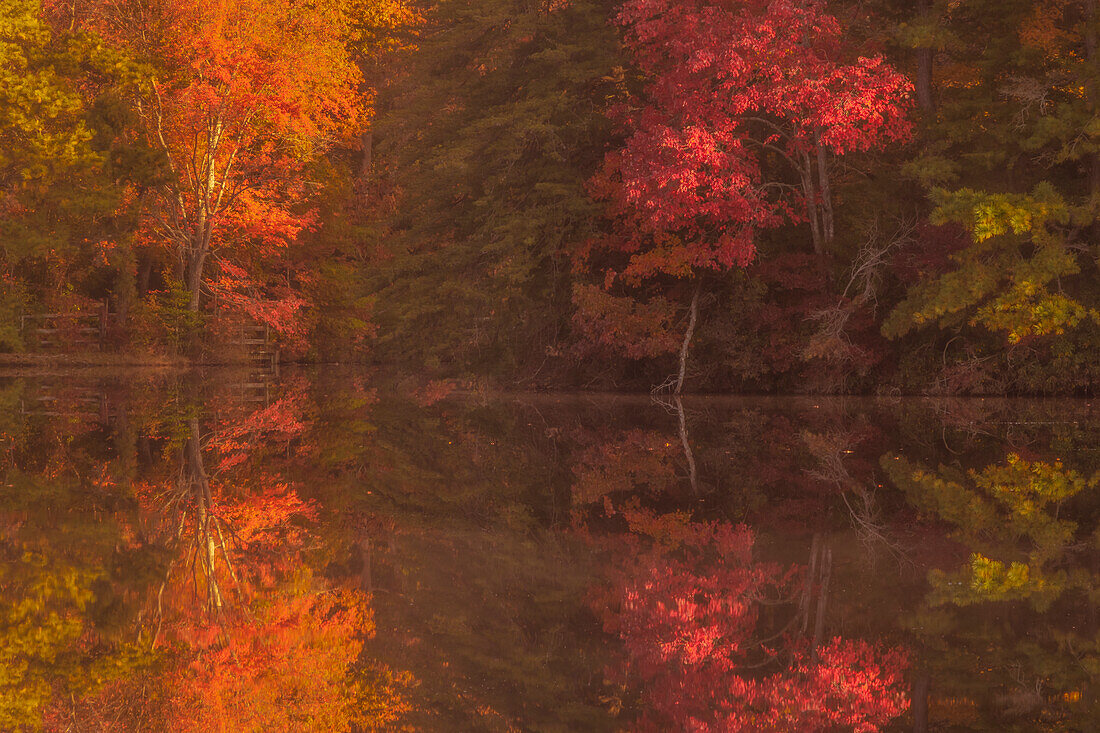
(1093, 161)
(823, 597)
(366, 165)
(694, 314)
(923, 82)
(692, 472)
(204, 521)
(809, 192)
(208, 206)
(825, 189)
(366, 577)
(145, 271)
(808, 584)
(125, 281)
(194, 277)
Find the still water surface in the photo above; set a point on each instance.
(320, 552)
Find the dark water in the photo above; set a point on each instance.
(331, 551)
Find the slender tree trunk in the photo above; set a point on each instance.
(692, 318)
(825, 189)
(692, 472)
(145, 271)
(195, 265)
(366, 164)
(125, 289)
(923, 82)
(1094, 180)
(1093, 162)
(366, 578)
(808, 583)
(823, 597)
(809, 192)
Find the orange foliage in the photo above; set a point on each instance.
(241, 97)
(283, 669)
(1041, 29)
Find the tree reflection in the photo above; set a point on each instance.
(201, 608)
(714, 639)
(190, 556)
(1020, 607)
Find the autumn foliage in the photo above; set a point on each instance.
(696, 616)
(240, 99)
(730, 92)
(752, 195)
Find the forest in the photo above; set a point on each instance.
(853, 196)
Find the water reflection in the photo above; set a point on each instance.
(336, 552)
(160, 576)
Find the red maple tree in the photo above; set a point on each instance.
(734, 95)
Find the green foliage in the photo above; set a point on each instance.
(1011, 153)
(492, 134)
(1008, 281)
(68, 157)
(995, 510)
(165, 318)
(988, 215)
(41, 130)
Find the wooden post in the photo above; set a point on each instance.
(103, 310)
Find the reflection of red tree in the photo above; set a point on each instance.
(693, 612)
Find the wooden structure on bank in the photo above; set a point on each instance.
(256, 341)
(261, 353)
(88, 330)
(240, 342)
(75, 330)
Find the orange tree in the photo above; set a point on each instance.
(245, 95)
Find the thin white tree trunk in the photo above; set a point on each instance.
(686, 345)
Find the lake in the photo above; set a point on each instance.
(335, 550)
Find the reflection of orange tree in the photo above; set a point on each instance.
(218, 537)
(235, 631)
(634, 460)
(707, 646)
(252, 639)
(281, 665)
